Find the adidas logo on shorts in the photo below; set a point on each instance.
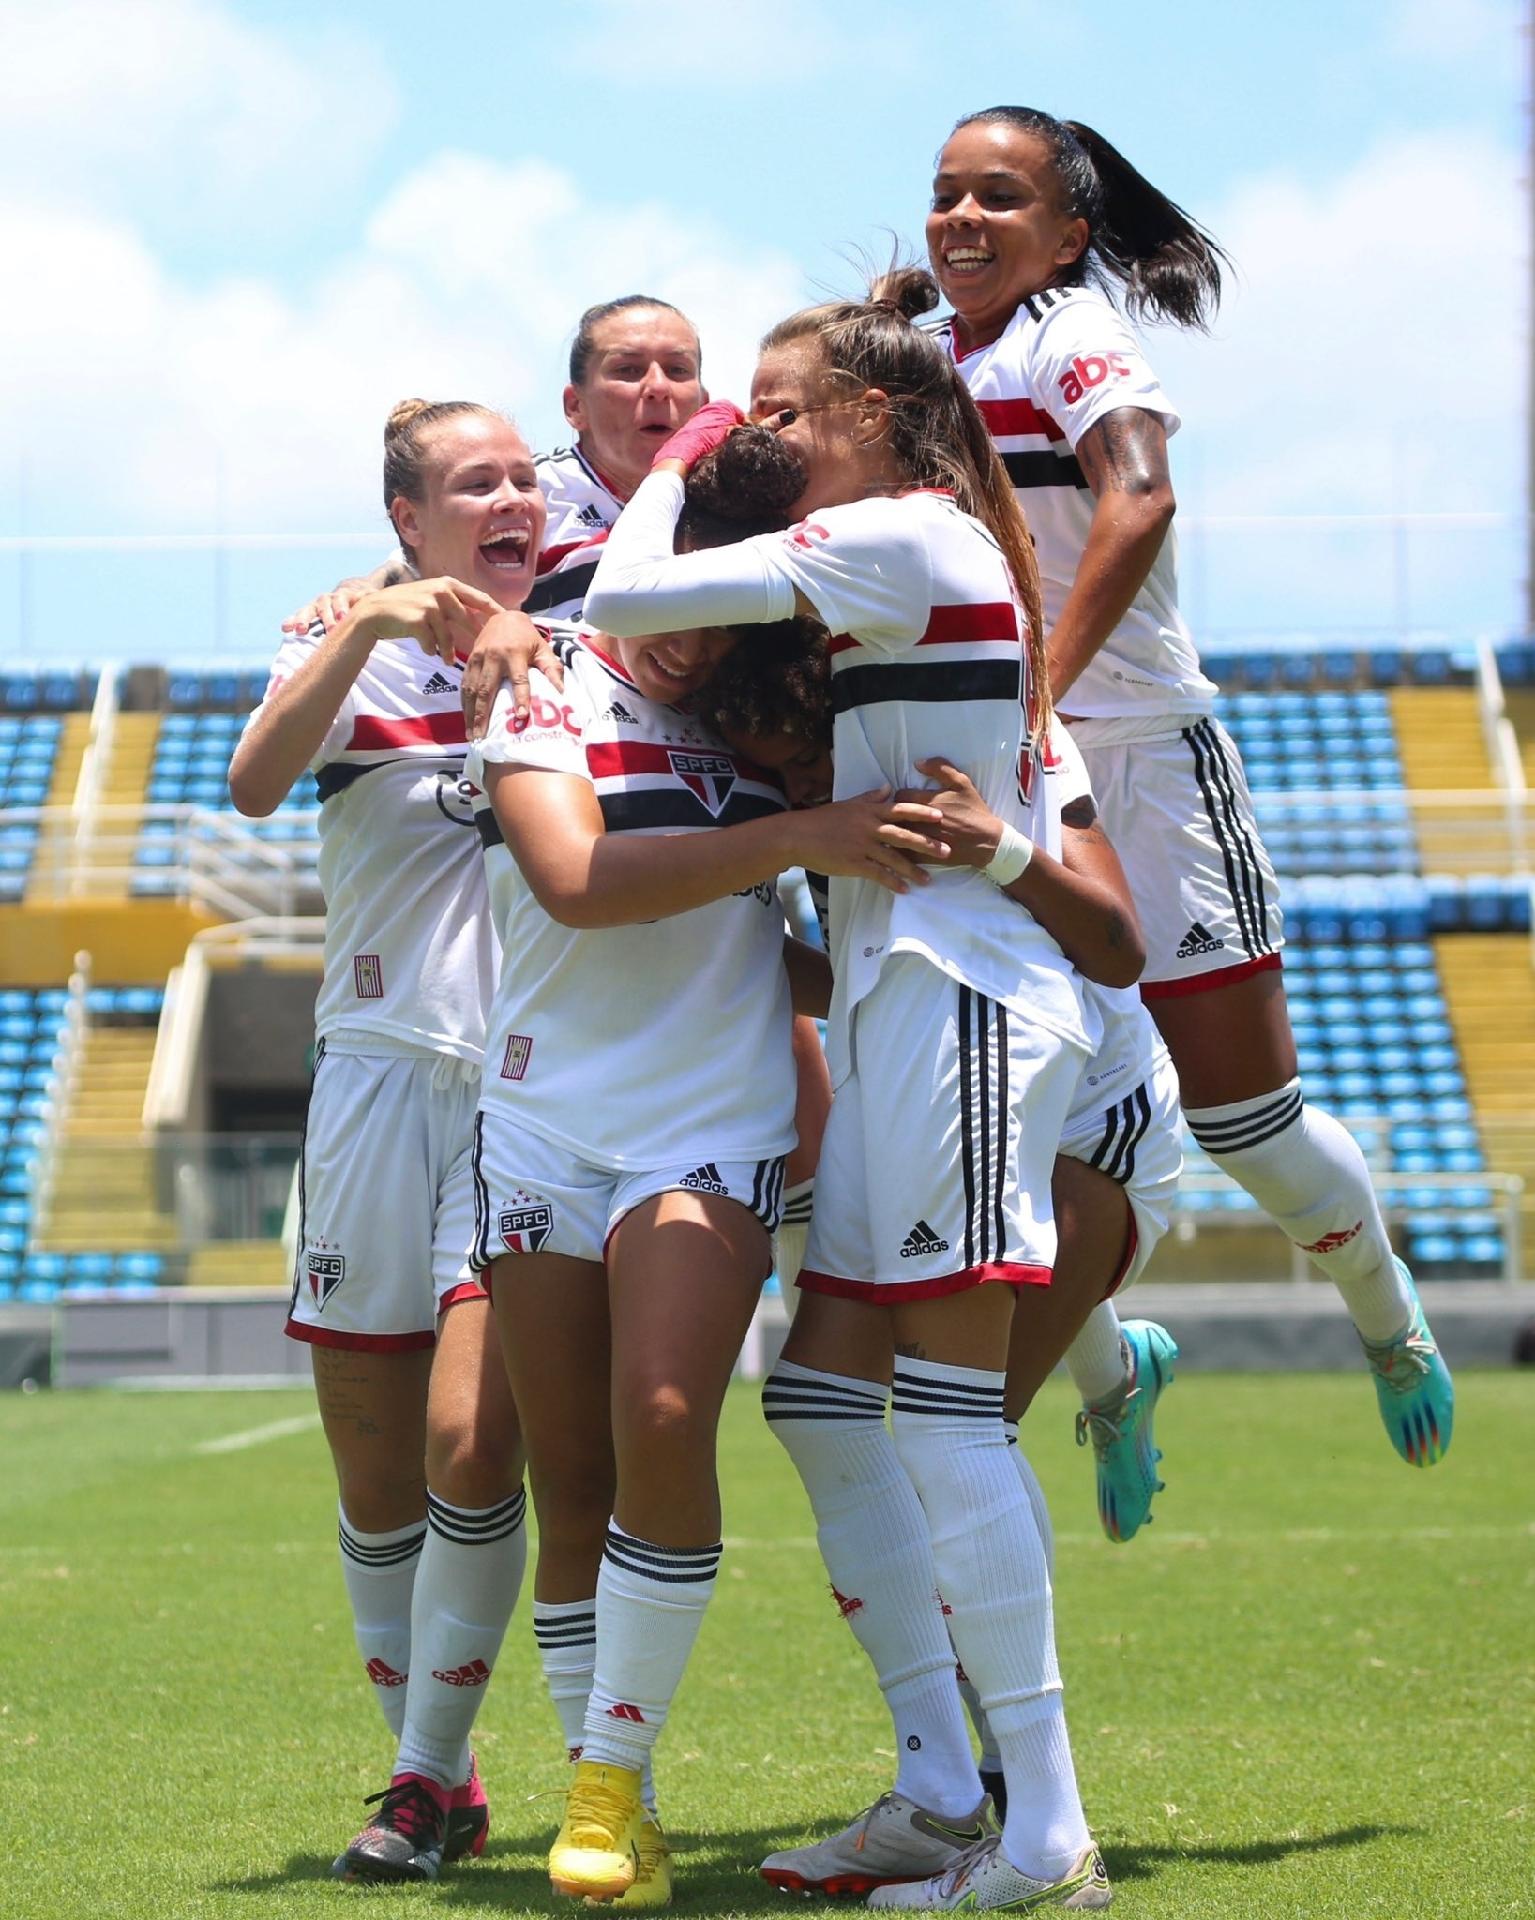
(618, 711)
(1198, 939)
(705, 1179)
(439, 683)
(922, 1240)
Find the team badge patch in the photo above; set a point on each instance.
(525, 1229)
(326, 1271)
(368, 973)
(519, 1050)
(709, 776)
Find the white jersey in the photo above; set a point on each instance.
(1065, 360)
(409, 951)
(582, 506)
(1130, 1047)
(927, 658)
(636, 1046)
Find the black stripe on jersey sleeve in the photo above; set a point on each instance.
(489, 829)
(647, 808)
(1036, 470)
(564, 587)
(927, 681)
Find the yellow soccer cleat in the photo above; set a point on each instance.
(597, 1850)
(653, 1882)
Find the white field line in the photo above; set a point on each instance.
(258, 1436)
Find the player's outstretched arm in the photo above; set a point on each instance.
(585, 877)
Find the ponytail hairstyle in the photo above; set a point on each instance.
(935, 428)
(1168, 266)
(406, 455)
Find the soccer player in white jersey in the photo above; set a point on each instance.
(635, 377)
(1113, 1185)
(637, 1104)
(957, 1029)
(1033, 221)
(408, 1372)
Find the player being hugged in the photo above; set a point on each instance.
(408, 1371)
(1033, 221)
(636, 1109)
(957, 1029)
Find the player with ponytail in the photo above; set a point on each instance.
(1036, 227)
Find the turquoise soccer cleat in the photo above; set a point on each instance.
(1120, 1430)
(1413, 1387)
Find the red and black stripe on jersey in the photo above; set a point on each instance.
(976, 653)
(564, 574)
(1031, 442)
(643, 786)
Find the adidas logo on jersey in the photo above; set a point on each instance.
(439, 683)
(1198, 939)
(705, 1179)
(590, 516)
(618, 711)
(922, 1240)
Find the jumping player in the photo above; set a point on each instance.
(408, 1371)
(957, 1030)
(1031, 220)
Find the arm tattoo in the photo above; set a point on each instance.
(1125, 452)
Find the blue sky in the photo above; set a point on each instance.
(244, 229)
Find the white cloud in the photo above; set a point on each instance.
(1440, 30)
(467, 283)
(180, 108)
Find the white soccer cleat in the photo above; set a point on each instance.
(986, 1881)
(894, 1841)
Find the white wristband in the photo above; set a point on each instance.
(1014, 852)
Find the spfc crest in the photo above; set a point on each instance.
(326, 1272)
(525, 1229)
(711, 776)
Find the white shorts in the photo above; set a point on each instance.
(1138, 1141)
(532, 1195)
(1181, 819)
(935, 1166)
(386, 1200)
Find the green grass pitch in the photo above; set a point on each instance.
(1308, 1689)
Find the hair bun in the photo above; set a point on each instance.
(403, 414)
(911, 291)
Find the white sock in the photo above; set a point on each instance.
(380, 1571)
(466, 1587)
(650, 1605)
(1097, 1359)
(874, 1540)
(1307, 1173)
(566, 1632)
(1034, 1493)
(991, 1570)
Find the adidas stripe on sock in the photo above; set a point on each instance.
(467, 1584)
(650, 1605)
(874, 1540)
(380, 1573)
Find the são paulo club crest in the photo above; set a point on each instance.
(711, 776)
(525, 1226)
(324, 1270)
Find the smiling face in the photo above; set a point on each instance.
(804, 766)
(641, 383)
(481, 519)
(670, 666)
(996, 231)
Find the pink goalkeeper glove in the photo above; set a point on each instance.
(708, 428)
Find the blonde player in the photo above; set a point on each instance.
(1032, 220)
(957, 1030)
(408, 1372)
